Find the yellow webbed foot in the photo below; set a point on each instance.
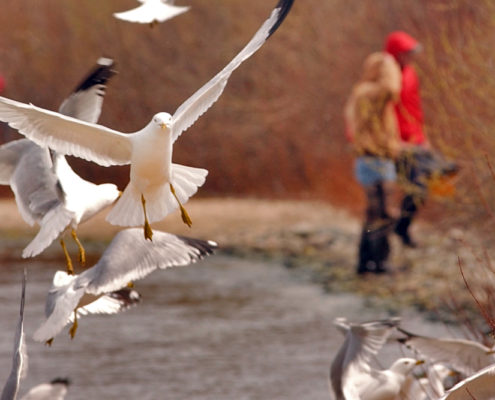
(185, 216)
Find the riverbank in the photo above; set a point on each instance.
(313, 237)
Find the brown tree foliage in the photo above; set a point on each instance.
(277, 131)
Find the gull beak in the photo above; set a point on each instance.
(419, 362)
(163, 126)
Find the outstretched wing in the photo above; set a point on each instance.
(362, 342)
(19, 361)
(209, 93)
(86, 101)
(67, 135)
(477, 386)
(465, 356)
(131, 257)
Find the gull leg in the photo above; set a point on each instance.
(148, 233)
(185, 216)
(73, 329)
(49, 342)
(70, 268)
(82, 252)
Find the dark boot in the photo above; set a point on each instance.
(409, 209)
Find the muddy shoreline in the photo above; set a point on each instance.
(313, 237)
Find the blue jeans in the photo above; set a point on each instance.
(370, 170)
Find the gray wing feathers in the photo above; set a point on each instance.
(19, 362)
(10, 154)
(131, 257)
(86, 101)
(52, 225)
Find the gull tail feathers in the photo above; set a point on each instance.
(52, 225)
(128, 211)
(187, 180)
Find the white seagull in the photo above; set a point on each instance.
(351, 375)
(47, 191)
(129, 257)
(157, 187)
(479, 386)
(19, 361)
(430, 386)
(465, 356)
(55, 390)
(152, 12)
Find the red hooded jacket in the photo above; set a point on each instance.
(409, 110)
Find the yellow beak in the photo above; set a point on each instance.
(163, 126)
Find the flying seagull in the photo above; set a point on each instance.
(19, 361)
(156, 187)
(47, 191)
(152, 12)
(351, 375)
(465, 356)
(55, 390)
(128, 258)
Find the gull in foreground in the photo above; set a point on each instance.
(55, 390)
(351, 375)
(47, 191)
(152, 12)
(428, 387)
(156, 187)
(129, 257)
(479, 386)
(465, 356)
(19, 361)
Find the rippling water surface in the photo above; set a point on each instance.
(222, 329)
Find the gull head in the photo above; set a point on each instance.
(163, 120)
(405, 365)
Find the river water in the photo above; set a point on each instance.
(223, 329)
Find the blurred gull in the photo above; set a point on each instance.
(129, 257)
(479, 386)
(157, 187)
(19, 361)
(465, 356)
(47, 190)
(55, 390)
(428, 387)
(152, 12)
(352, 377)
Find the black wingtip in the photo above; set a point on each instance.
(63, 381)
(205, 247)
(100, 74)
(283, 7)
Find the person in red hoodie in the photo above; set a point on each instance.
(409, 112)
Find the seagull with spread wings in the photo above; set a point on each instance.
(47, 191)
(152, 12)
(157, 186)
(465, 356)
(351, 375)
(129, 257)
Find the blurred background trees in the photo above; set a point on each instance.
(277, 131)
